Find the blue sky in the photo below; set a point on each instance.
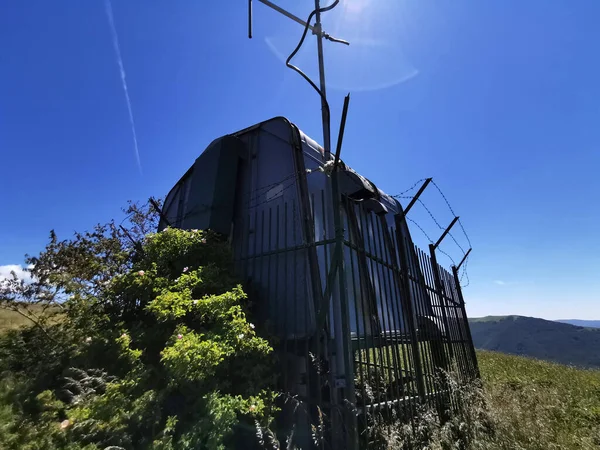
(497, 100)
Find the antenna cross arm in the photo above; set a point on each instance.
(316, 29)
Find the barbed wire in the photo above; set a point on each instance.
(465, 274)
(444, 197)
(431, 240)
(420, 228)
(452, 211)
(401, 195)
(409, 189)
(438, 223)
(447, 255)
(291, 184)
(465, 233)
(254, 195)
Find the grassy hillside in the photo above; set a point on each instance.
(11, 319)
(538, 338)
(532, 404)
(541, 405)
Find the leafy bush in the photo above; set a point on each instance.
(147, 345)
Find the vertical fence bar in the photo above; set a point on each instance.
(407, 367)
(408, 306)
(318, 332)
(267, 260)
(455, 333)
(419, 289)
(450, 351)
(379, 292)
(466, 323)
(369, 327)
(392, 344)
(376, 331)
(284, 299)
(464, 357)
(358, 315)
(440, 291)
(436, 342)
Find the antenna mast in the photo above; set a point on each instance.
(325, 115)
(339, 354)
(317, 29)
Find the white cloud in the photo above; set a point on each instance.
(500, 282)
(6, 272)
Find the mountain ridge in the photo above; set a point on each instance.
(539, 338)
(581, 322)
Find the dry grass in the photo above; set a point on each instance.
(11, 319)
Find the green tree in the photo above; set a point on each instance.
(140, 340)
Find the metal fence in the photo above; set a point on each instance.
(369, 343)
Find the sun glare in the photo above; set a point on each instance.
(355, 6)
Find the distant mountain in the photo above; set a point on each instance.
(538, 338)
(581, 323)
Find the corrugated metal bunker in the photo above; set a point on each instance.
(381, 341)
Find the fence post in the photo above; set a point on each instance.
(467, 326)
(343, 340)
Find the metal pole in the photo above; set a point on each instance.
(287, 14)
(344, 361)
(250, 19)
(445, 233)
(416, 197)
(464, 259)
(324, 110)
(338, 147)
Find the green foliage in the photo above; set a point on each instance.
(153, 349)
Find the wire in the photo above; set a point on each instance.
(453, 213)
(465, 233)
(431, 241)
(292, 184)
(422, 230)
(400, 195)
(465, 274)
(299, 71)
(439, 225)
(447, 255)
(269, 186)
(444, 197)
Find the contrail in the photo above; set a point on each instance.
(115, 39)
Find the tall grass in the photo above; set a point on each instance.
(540, 405)
(520, 404)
